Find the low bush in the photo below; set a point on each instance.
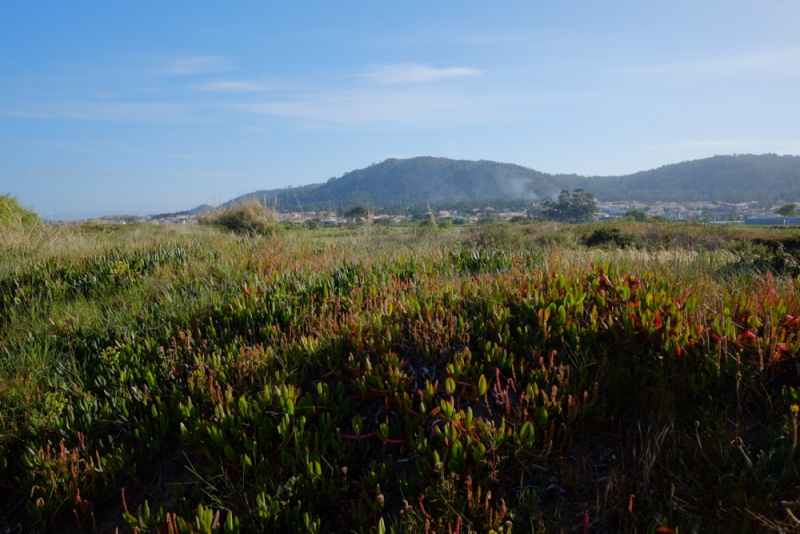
(613, 237)
(759, 259)
(492, 233)
(291, 225)
(558, 238)
(14, 215)
(490, 220)
(249, 217)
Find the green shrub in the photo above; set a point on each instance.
(559, 238)
(611, 237)
(249, 217)
(637, 215)
(13, 214)
(759, 258)
(479, 260)
(492, 233)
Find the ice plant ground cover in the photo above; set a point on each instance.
(492, 379)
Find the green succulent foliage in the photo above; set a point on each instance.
(335, 397)
(480, 260)
(42, 283)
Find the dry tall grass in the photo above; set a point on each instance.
(249, 217)
(14, 215)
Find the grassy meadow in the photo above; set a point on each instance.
(628, 377)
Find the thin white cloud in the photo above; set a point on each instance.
(501, 38)
(11, 61)
(439, 35)
(231, 86)
(391, 98)
(195, 65)
(703, 144)
(103, 111)
(779, 62)
(403, 108)
(415, 73)
(731, 145)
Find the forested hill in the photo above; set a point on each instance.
(441, 181)
(414, 182)
(735, 178)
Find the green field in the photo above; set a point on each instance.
(492, 378)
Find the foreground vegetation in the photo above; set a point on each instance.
(14, 215)
(525, 378)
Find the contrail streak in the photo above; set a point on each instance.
(15, 63)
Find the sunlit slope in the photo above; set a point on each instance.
(738, 178)
(443, 182)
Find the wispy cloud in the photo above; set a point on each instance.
(103, 111)
(700, 144)
(395, 95)
(403, 108)
(231, 86)
(756, 145)
(497, 38)
(784, 61)
(415, 73)
(434, 35)
(11, 61)
(195, 65)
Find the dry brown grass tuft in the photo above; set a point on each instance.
(250, 217)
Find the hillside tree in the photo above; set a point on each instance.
(576, 207)
(638, 215)
(787, 210)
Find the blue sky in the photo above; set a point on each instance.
(144, 107)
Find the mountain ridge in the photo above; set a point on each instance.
(422, 180)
